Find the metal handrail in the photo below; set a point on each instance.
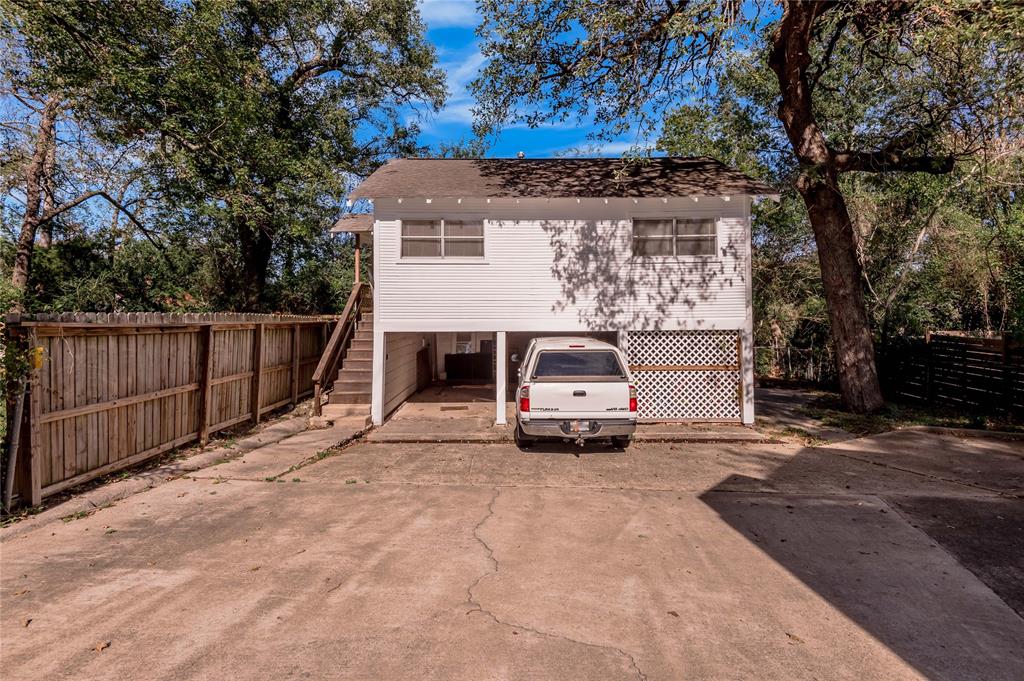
(337, 344)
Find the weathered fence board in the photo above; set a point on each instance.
(111, 391)
(975, 374)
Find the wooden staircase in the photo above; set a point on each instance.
(347, 362)
(355, 377)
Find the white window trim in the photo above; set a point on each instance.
(674, 237)
(449, 259)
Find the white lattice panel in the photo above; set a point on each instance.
(698, 394)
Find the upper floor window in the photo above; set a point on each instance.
(674, 236)
(442, 239)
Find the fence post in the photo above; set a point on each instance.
(205, 383)
(295, 363)
(927, 367)
(35, 413)
(255, 401)
(1007, 380)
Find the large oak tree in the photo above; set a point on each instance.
(254, 115)
(948, 77)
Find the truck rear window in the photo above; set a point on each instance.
(562, 363)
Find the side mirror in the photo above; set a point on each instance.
(515, 358)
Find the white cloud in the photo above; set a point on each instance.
(586, 148)
(460, 67)
(439, 13)
(455, 112)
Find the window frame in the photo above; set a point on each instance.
(443, 238)
(675, 237)
(621, 377)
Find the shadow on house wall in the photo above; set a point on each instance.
(593, 263)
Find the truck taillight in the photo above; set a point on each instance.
(524, 398)
(632, 398)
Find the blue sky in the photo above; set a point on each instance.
(450, 26)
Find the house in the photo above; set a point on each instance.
(473, 257)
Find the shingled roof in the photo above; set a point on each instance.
(556, 178)
(354, 223)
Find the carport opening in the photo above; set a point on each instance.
(456, 371)
(455, 376)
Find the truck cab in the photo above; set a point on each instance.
(575, 389)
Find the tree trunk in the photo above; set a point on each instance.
(841, 278)
(33, 197)
(256, 248)
(818, 184)
(49, 201)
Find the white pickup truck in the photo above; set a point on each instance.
(574, 389)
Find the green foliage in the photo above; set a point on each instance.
(250, 122)
(86, 272)
(938, 251)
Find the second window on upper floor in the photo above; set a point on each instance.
(442, 239)
(674, 237)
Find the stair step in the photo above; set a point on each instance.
(362, 375)
(358, 354)
(338, 397)
(334, 412)
(356, 365)
(346, 387)
(363, 335)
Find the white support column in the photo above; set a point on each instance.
(501, 378)
(747, 332)
(377, 393)
(747, 371)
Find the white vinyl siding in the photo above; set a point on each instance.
(400, 368)
(563, 265)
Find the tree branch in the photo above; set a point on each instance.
(890, 160)
(68, 205)
(826, 59)
(312, 69)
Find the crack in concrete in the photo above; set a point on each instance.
(477, 606)
(929, 476)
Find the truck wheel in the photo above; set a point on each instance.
(523, 441)
(621, 442)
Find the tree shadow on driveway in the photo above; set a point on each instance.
(911, 536)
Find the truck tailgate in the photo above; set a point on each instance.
(596, 400)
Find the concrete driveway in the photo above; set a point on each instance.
(895, 557)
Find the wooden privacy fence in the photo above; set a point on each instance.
(109, 391)
(974, 374)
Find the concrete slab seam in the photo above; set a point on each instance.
(926, 475)
(935, 542)
(334, 449)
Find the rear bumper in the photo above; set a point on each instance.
(561, 428)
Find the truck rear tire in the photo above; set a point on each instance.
(523, 441)
(621, 442)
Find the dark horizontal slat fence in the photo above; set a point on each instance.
(112, 390)
(960, 372)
